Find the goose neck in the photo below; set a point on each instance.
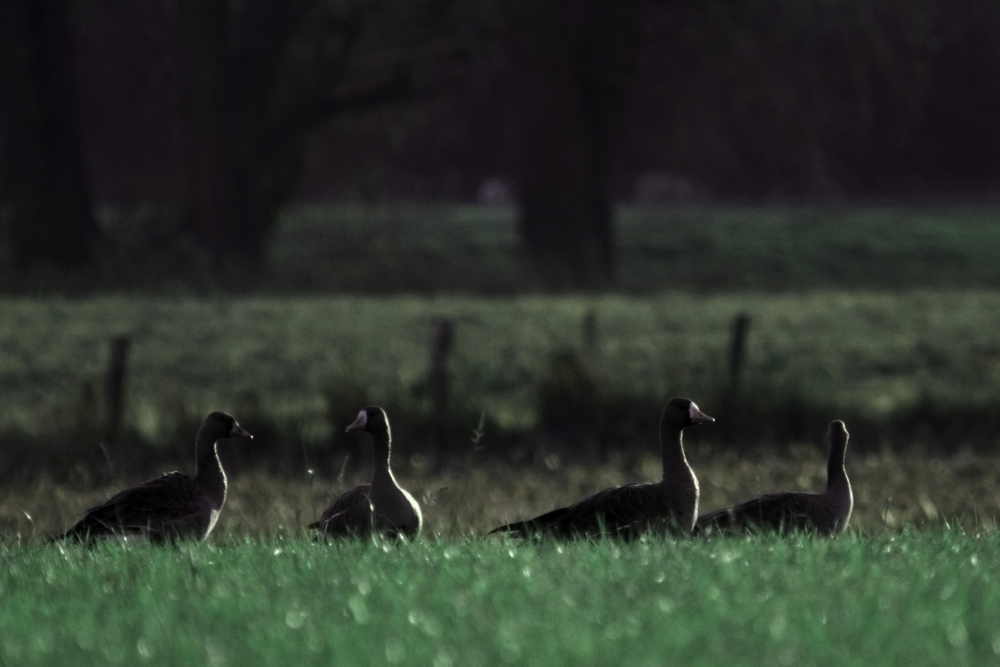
(209, 474)
(836, 470)
(672, 446)
(381, 472)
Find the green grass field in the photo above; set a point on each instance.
(455, 248)
(886, 318)
(927, 598)
(474, 249)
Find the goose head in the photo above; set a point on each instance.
(836, 435)
(219, 425)
(371, 419)
(681, 413)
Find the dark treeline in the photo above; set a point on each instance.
(214, 115)
(753, 98)
(766, 98)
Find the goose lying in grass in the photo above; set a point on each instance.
(826, 513)
(172, 506)
(628, 511)
(382, 506)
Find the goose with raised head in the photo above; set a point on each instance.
(173, 506)
(381, 507)
(628, 511)
(825, 513)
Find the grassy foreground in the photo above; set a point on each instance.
(928, 598)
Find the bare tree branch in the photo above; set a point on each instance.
(262, 75)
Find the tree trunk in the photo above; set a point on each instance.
(45, 181)
(202, 37)
(236, 175)
(572, 67)
(260, 76)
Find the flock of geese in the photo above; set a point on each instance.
(177, 506)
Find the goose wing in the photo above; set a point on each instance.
(148, 507)
(537, 526)
(350, 514)
(620, 511)
(781, 511)
(408, 518)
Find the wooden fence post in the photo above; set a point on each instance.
(738, 332)
(442, 338)
(114, 388)
(589, 331)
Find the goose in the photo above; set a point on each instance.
(381, 507)
(172, 506)
(628, 511)
(826, 513)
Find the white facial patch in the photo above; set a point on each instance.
(360, 423)
(693, 412)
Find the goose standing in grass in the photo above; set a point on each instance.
(173, 506)
(628, 511)
(825, 513)
(381, 507)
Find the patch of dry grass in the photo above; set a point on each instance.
(890, 491)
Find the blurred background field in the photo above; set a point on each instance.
(879, 360)
(426, 248)
(902, 361)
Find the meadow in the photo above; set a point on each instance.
(911, 598)
(472, 249)
(428, 248)
(883, 317)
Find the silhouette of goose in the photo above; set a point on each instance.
(173, 506)
(628, 511)
(381, 507)
(826, 513)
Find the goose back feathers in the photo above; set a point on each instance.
(381, 507)
(628, 511)
(172, 506)
(826, 513)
